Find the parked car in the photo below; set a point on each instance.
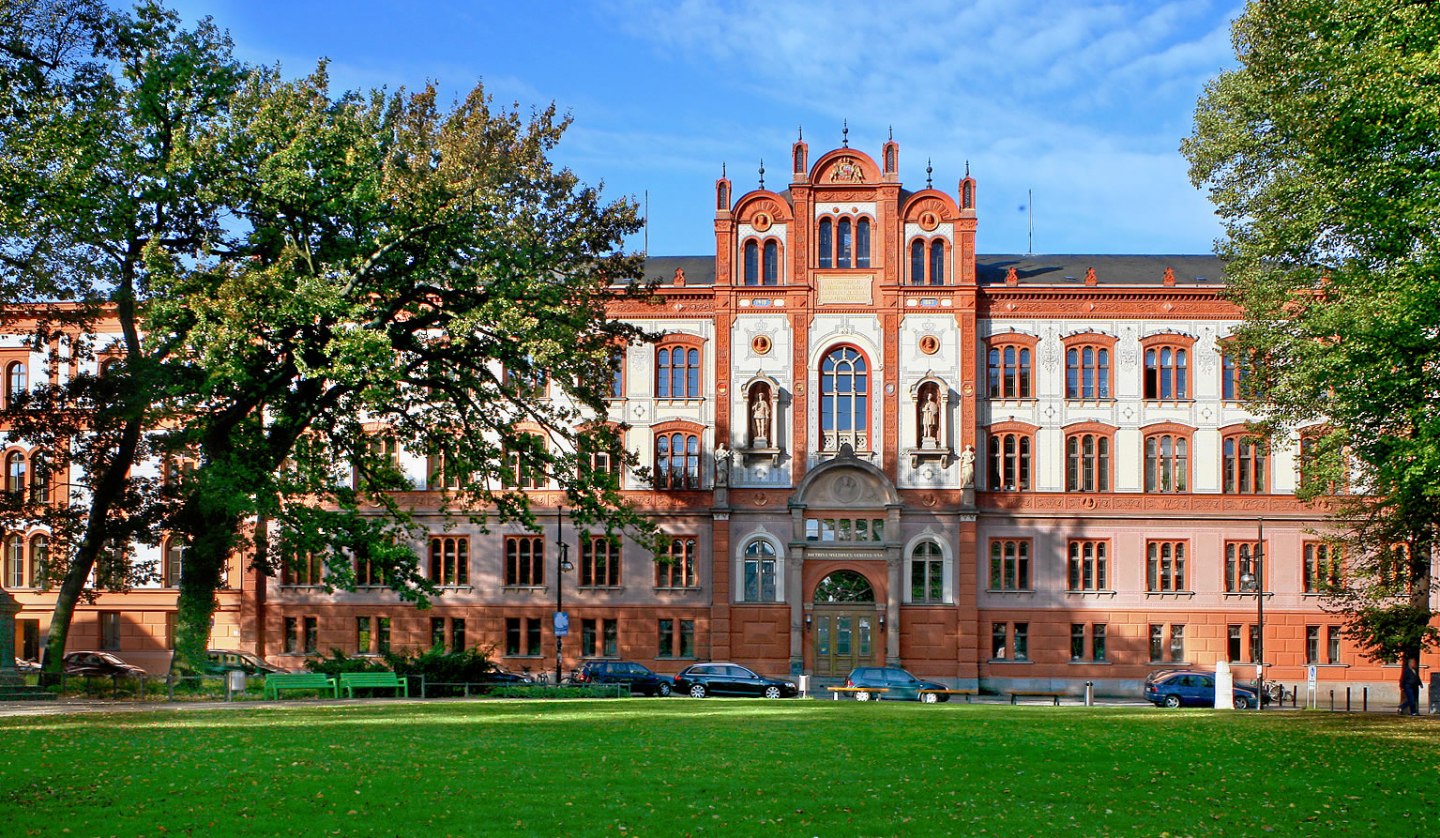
(504, 677)
(889, 682)
(702, 679)
(638, 677)
(1193, 689)
(220, 661)
(27, 666)
(100, 664)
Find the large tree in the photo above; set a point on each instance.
(105, 172)
(411, 276)
(1321, 152)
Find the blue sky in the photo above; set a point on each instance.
(1082, 101)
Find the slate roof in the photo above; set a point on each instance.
(1192, 270)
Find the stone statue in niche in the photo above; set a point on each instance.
(760, 419)
(967, 467)
(929, 420)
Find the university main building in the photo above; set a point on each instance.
(872, 446)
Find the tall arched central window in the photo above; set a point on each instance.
(844, 400)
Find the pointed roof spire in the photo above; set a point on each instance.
(762, 173)
(929, 170)
(845, 134)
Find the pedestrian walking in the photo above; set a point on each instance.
(1410, 689)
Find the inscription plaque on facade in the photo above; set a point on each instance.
(844, 290)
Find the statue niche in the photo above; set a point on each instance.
(762, 403)
(930, 398)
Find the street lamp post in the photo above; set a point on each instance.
(562, 564)
(1256, 582)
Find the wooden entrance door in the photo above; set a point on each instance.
(844, 639)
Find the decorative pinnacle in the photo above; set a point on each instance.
(845, 134)
(722, 168)
(928, 171)
(801, 131)
(892, 133)
(967, 168)
(762, 173)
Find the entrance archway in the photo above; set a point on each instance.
(844, 635)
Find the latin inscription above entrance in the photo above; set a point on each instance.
(844, 290)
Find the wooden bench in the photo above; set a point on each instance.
(966, 693)
(1053, 696)
(278, 681)
(373, 680)
(835, 691)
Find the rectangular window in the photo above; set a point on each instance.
(1098, 635)
(524, 560)
(450, 560)
(1087, 463)
(1010, 564)
(1312, 644)
(110, 631)
(1241, 563)
(599, 561)
(999, 636)
(312, 635)
(1157, 642)
(522, 637)
(1232, 644)
(457, 634)
(525, 466)
(170, 630)
(376, 462)
(666, 645)
(1177, 643)
(368, 573)
(1322, 567)
(362, 636)
(1166, 373)
(1332, 644)
(1165, 566)
(437, 632)
(299, 569)
(1254, 643)
(1077, 641)
(677, 568)
(292, 636)
(382, 635)
(1010, 462)
(1022, 641)
(1009, 372)
(599, 638)
(1088, 566)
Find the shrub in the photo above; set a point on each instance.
(339, 662)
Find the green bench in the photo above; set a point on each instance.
(276, 682)
(373, 680)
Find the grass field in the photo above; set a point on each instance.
(716, 767)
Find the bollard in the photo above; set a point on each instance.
(1089, 693)
(1365, 699)
(1332, 701)
(1347, 699)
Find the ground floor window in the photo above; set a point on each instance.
(1332, 644)
(599, 638)
(1233, 647)
(110, 631)
(677, 638)
(522, 637)
(1001, 645)
(456, 633)
(1159, 648)
(1096, 635)
(372, 635)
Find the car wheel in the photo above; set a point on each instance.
(772, 692)
(1172, 701)
(929, 698)
(697, 690)
(863, 695)
(663, 691)
(1241, 703)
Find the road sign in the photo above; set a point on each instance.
(562, 624)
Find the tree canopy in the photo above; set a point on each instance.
(1321, 152)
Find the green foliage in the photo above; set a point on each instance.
(339, 662)
(435, 664)
(1321, 153)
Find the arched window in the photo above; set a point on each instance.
(1167, 368)
(760, 572)
(677, 461)
(1243, 465)
(937, 262)
(15, 473)
(14, 561)
(174, 559)
(1087, 462)
(39, 478)
(752, 263)
(927, 573)
(16, 382)
(1010, 465)
(677, 372)
(1167, 462)
(1087, 367)
(842, 250)
(844, 400)
(844, 586)
(39, 560)
(917, 262)
(1010, 371)
(825, 242)
(771, 275)
(862, 243)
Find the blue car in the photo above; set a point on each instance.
(1193, 689)
(893, 683)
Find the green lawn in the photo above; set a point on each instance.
(721, 767)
